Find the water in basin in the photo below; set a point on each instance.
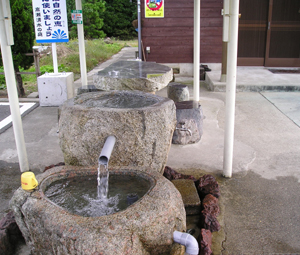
(79, 195)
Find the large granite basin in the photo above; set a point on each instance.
(144, 228)
(142, 123)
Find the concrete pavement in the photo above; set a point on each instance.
(259, 204)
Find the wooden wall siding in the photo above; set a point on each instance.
(171, 38)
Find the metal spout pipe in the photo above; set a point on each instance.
(107, 150)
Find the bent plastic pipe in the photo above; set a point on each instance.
(106, 150)
(190, 242)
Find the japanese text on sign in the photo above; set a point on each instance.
(76, 16)
(50, 20)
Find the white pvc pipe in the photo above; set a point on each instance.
(196, 91)
(107, 150)
(190, 242)
(82, 57)
(231, 88)
(13, 95)
(139, 29)
(54, 58)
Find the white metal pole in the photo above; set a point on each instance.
(196, 91)
(81, 48)
(231, 87)
(12, 94)
(54, 57)
(139, 29)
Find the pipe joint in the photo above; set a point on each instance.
(190, 242)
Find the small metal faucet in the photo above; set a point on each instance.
(183, 128)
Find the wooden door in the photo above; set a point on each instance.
(269, 33)
(283, 35)
(252, 32)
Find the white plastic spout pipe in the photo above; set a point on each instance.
(107, 150)
(190, 242)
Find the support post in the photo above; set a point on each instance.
(139, 29)
(12, 91)
(196, 90)
(231, 88)
(54, 58)
(81, 48)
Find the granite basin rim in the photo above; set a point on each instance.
(73, 173)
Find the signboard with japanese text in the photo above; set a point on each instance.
(50, 21)
(154, 8)
(76, 16)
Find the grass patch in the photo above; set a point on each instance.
(97, 51)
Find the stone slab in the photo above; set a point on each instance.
(189, 195)
(133, 75)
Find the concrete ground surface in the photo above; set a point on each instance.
(260, 211)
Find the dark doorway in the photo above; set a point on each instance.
(269, 33)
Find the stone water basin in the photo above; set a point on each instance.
(133, 75)
(142, 123)
(145, 227)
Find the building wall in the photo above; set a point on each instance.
(171, 38)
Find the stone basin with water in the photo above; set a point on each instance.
(144, 227)
(134, 75)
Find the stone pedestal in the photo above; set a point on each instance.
(178, 92)
(189, 127)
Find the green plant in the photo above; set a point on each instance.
(92, 11)
(2, 78)
(22, 21)
(118, 18)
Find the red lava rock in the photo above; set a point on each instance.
(211, 204)
(171, 174)
(209, 221)
(207, 184)
(205, 241)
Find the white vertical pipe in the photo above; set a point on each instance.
(81, 47)
(13, 95)
(139, 29)
(196, 91)
(231, 87)
(54, 58)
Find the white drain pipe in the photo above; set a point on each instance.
(190, 242)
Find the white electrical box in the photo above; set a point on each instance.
(55, 89)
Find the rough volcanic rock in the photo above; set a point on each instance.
(171, 174)
(205, 241)
(144, 228)
(209, 221)
(207, 184)
(143, 132)
(211, 204)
